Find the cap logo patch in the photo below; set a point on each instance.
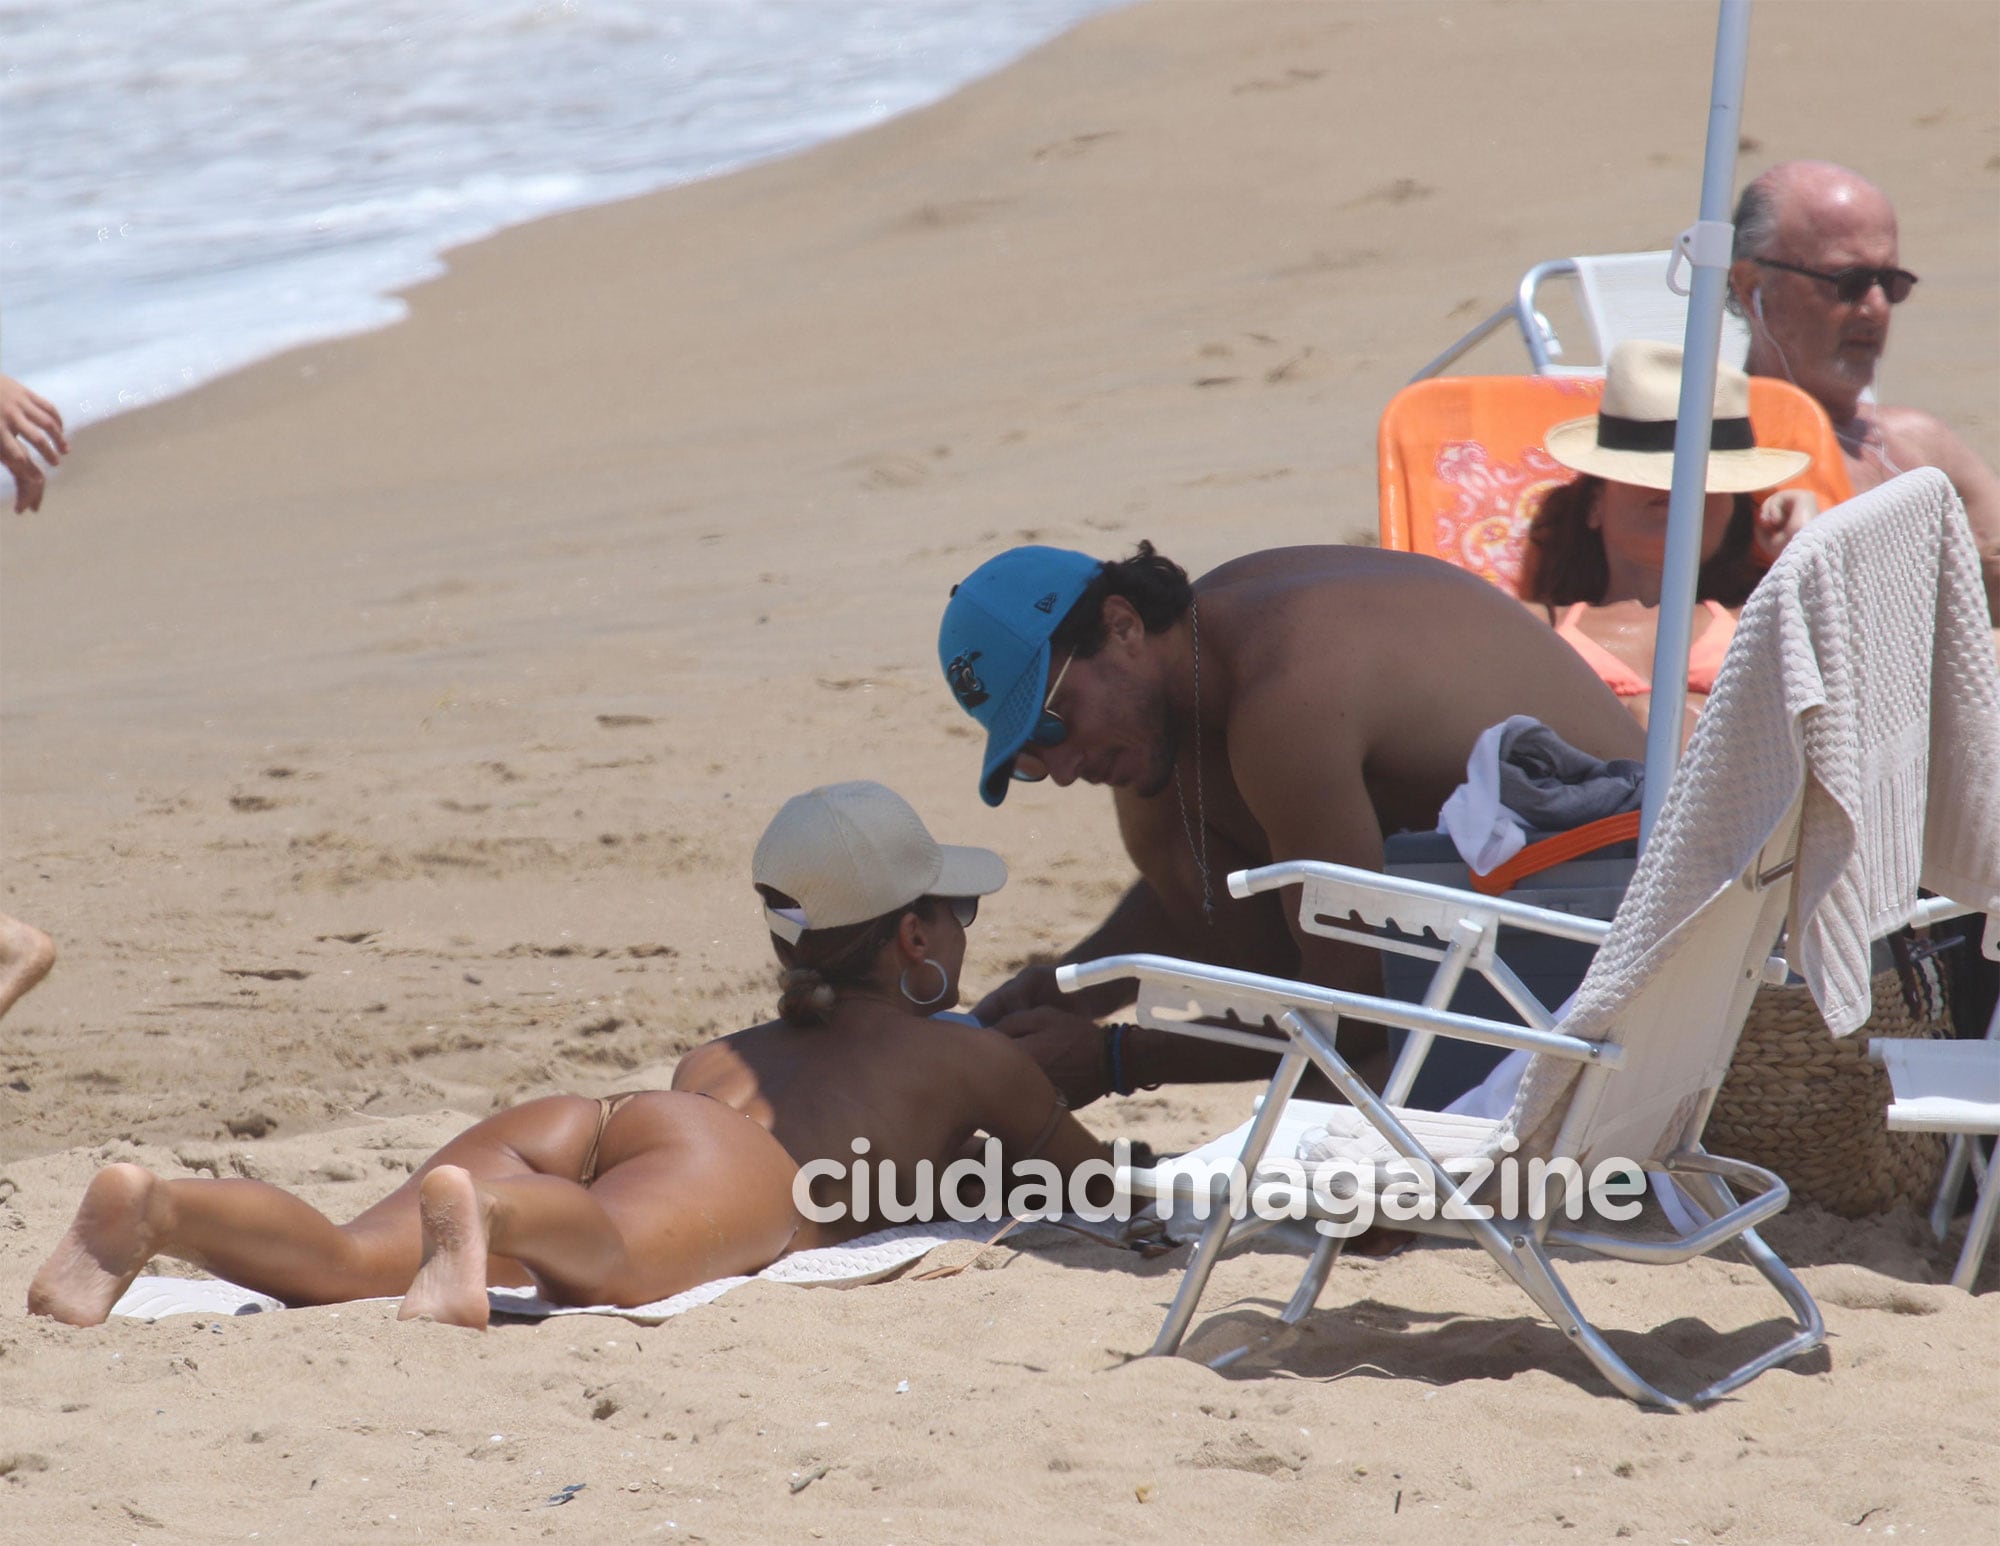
(1047, 603)
(965, 683)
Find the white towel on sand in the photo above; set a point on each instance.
(858, 1261)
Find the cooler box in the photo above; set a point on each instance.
(1591, 886)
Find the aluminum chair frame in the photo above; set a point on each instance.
(1545, 349)
(1962, 1155)
(1189, 999)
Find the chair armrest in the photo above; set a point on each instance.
(1333, 891)
(1936, 909)
(1179, 995)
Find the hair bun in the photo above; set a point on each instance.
(805, 997)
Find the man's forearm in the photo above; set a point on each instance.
(1136, 925)
(1169, 1057)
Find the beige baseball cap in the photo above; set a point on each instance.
(850, 852)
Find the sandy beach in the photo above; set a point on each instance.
(384, 732)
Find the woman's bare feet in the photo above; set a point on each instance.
(450, 1286)
(26, 954)
(111, 1238)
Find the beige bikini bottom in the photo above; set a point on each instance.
(606, 1104)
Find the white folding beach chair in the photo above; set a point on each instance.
(1806, 796)
(1952, 1087)
(1622, 295)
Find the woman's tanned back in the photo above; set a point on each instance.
(916, 1090)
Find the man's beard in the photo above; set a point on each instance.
(1859, 374)
(1856, 368)
(1166, 751)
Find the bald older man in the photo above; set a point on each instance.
(1815, 274)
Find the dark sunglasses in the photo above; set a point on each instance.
(964, 909)
(1851, 284)
(1049, 731)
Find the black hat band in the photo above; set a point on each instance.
(1616, 434)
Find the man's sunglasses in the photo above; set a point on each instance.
(1049, 731)
(1851, 284)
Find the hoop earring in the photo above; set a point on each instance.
(944, 984)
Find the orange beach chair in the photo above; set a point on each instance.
(1462, 471)
(1461, 467)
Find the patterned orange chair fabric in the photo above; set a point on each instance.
(1462, 471)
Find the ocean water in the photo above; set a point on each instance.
(190, 185)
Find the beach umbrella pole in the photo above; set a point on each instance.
(1705, 248)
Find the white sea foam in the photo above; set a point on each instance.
(187, 187)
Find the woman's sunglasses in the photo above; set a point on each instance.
(1049, 731)
(1851, 284)
(788, 923)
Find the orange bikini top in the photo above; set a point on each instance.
(1704, 660)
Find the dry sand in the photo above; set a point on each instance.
(387, 728)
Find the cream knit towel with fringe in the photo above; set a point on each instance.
(1886, 699)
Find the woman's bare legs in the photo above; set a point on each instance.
(26, 954)
(687, 1191)
(266, 1239)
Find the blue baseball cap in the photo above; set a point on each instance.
(994, 646)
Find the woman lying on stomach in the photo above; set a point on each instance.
(641, 1195)
(1597, 545)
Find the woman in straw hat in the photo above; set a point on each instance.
(1597, 544)
(637, 1196)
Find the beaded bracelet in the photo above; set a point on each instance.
(1114, 1053)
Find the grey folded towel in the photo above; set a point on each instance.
(1552, 787)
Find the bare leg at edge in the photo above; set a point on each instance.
(26, 954)
(109, 1242)
(450, 1286)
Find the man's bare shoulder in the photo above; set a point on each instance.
(1328, 614)
(1915, 438)
(1335, 591)
(1323, 563)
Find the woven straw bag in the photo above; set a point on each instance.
(1811, 1107)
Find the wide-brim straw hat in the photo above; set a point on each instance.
(1630, 439)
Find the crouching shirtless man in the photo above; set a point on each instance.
(1299, 703)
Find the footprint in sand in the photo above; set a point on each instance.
(1320, 261)
(1243, 1452)
(943, 216)
(1075, 145)
(1292, 78)
(1403, 190)
(891, 471)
